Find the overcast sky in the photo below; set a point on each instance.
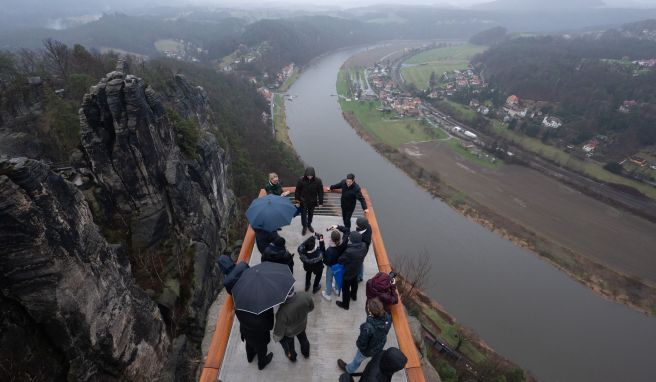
(356, 3)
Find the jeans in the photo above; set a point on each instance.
(287, 344)
(307, 212)
(355, 364)
(329, 280)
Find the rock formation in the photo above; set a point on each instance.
(152, 181)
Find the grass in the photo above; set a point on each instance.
(459, 111)
(449, 334)
(169, 45)
(589, 168)
(438, 60)
(280, 121)
(454, 144)
(290, 80)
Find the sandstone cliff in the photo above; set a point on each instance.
(151, 179)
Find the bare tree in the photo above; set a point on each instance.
(58, 57)
(29, 62)
(414, 272)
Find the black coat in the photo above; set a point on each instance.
(312, 260)
(231, 271)
(373, 335)
(264, 238)
(255, 328)
(366, 235)
(382, 366)
(350, 195)
(279, 255)
(352, 258)
(309, 192)
(332, 254)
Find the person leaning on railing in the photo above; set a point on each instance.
(351, 193)
(274, 186)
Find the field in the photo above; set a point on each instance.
(290, 80)
(417, 69)
(279, 120)
(169, 45)
(380, 125)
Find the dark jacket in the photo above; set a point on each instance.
(291, 318)
(332, 254)
(264, 238)
(231, 272)
(309, 192)
(275, 189)
(350, 195)
(381, 286)
(313, 259)
(384, 365)
(373, 335)
(353, 256)
(279, 255)
(365, 233)
(255, 328)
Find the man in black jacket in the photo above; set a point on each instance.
(255, 330)
(264, 238)
(381, 368)
(277, 253)
(350, 194)
(352, 259)
(309, 193)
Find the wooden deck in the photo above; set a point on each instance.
(331, 330)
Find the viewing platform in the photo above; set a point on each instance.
(332, 331)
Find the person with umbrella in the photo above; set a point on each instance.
(231, 271)
(309, 193)
(259, 289)
(266, 215)
(291, 321)
(351, 193)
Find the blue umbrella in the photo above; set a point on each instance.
(262, 287)
(270, 212)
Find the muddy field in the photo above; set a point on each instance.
(543, 205)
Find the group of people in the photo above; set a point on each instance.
(343, 259)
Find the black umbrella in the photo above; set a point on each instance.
(262, 287)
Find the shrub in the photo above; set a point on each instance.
(187, 133)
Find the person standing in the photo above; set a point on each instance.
(274, 186)
(291, 321)
(311, 255)
(383, 287)
(309, 193)
(264, 238)
(372, 338)
(363, 227)
(255, 331)
(352, 259)
(335, 249)
(231, 271)
(351, 193)
(277, 253)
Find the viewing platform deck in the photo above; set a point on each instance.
(332, 331)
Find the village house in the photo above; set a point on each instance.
(512, 101)
(638, 161)
(627, 105)
(551, 122)
(590, 146)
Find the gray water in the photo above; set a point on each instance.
(521, 305)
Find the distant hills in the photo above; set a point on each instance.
(524, 5)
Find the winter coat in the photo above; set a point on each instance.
(309, 192)
(313, 259)
(279, 255)
(291, 318)
(275, 189)
(383, 365)
(255, 328)
(373, 335)
(350, 195)
(231, 272)
(353, 256)
(366, 235)
(381, 286)
(334, 252)
(264, 238)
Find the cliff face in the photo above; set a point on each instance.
(152, 181)
(69, 305)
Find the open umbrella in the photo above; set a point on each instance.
(270, 212)
(262, 286)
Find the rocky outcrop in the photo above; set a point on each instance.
(70, 308)
(173, 205)
(110, 276)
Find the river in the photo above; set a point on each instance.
(522, 306)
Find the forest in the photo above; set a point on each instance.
(585, 80)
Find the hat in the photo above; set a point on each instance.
(279, 241)
(350, 176)
(355, 237)
(361, 222)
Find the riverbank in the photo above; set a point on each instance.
(605, 281)
(280, 120)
